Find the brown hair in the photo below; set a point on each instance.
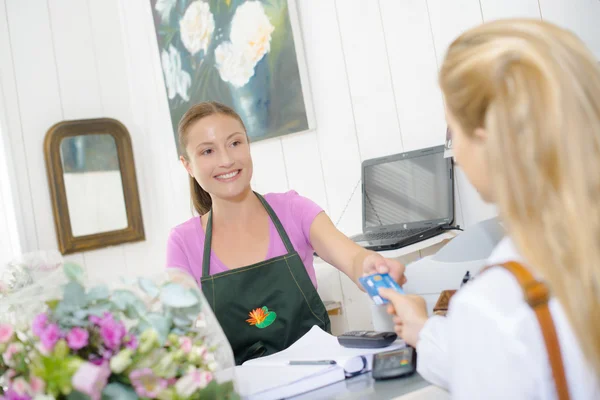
(201, 200)
(535, 89)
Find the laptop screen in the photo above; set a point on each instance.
(408, 189)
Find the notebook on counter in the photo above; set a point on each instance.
(273, 377)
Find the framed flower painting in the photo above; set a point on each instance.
(246, 54)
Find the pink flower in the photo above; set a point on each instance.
(37, 385)
(11, 351)
(77, 338)
(90, 379)
(186, 344)
(39, 324)
(50, 336)
(112, 331)
(6, 332)
(192, 381)
(146, 384)
(95, 320)
(20, 386)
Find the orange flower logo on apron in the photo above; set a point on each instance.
(261, 317)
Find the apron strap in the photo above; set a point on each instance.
(207, 246)
(208, 235)
(282, 234)
(537, 295)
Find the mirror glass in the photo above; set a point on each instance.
(93, 184)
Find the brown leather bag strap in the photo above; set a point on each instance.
(537, 295)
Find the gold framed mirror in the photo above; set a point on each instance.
(93, 185)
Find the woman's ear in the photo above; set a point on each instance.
(481, 134)
(186, 165)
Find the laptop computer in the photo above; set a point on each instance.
(406, 198)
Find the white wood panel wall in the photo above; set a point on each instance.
(9, 235)
(372, 69)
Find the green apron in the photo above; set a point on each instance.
(265, 307)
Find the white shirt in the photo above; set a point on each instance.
(490, 345)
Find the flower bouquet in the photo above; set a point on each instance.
(148, 341)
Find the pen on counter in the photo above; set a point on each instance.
(465, 279)
(317, 362)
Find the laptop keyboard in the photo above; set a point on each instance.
(388, 235)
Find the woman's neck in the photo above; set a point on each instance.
(237, 212)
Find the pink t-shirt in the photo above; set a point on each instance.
(185, 246)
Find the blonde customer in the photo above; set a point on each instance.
(523, 102)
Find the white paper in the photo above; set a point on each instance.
(273, 382)
(319, 345)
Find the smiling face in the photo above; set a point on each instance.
(218, 156)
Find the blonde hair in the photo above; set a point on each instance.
(201, 200)
(535, 89)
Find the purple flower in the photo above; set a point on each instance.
(12, 395)
(90, 379)
(50, 336)
(97, 361)
(39, 324)
(77, 338)
(146, 384)
(112, 331)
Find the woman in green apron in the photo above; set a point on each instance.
(253, 255)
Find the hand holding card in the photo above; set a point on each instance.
(375, 263)
(372, 284)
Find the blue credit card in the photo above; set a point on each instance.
(372, 283)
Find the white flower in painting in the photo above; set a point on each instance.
(164, 8)
(251, 30)
(250, 40)
(196, 27)
(177, 80)
(232, 64)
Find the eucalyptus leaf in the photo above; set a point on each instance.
(193, 311)
(75, 395)
(73, 271)
(161, 324)
(98, 293)
(149, 287)
(118, 391)
(176, 296)
(70, 322)
(135, 309)
(178, 331)
(121, 298)
(142, 326)
(140, 307)
(81, 314)
(98, 309)
(64, 309)
(182, 322)
(74, 295)
(169, 312)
